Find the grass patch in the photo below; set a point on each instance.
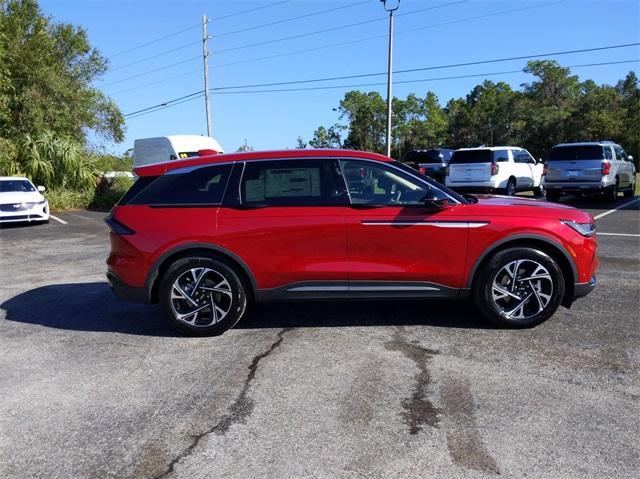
(64, 199)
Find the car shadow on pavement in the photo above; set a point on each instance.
(93, 307)
(85, 307)
(327, 314)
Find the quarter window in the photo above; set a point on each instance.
(379, 185)
(607, 153)
(292, 183)
(202, 186)
(501, 156)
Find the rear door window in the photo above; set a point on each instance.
(313, 182)
(577, 152)
(200, 186)
(471, 156)
(620, 154)
(501, 156)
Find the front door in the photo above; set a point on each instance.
(287, 226)
(397, 245)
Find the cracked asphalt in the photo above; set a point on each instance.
(93, 387)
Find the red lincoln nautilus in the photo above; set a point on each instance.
(205, 236)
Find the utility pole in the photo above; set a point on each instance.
(205, 58)
(390, 73)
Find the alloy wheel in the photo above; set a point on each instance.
(522, 289)
(201, 297)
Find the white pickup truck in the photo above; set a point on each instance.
(147, 151)
(496, 169)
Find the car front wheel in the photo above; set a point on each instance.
(202, 296)
(519, 288)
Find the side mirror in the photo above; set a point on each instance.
(40, 189)
(540, 160)
(630, 158)
(436, 203)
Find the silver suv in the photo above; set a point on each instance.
(600, 167)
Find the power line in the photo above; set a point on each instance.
(199, 57)
(197, 25)
(152, 57)
(291, 19)
(421, 80)
(181, 47)
(332, 29)
(438, 67)
(193, 96)
(351, 42)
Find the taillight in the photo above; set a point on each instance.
(117, 227)
(605, 169)
(494, 169)
(422, 170)
(544, 170)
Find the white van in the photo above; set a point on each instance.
(174, 147)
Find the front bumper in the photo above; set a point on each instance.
(123, 291)
(20, 214)
(582, 289)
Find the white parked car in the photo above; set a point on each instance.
(21, 201)
(496, 169)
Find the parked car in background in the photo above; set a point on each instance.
(497, 169)
(205, 236)
(168, 148)
(20, 201)
(432, 162)
(598, 167)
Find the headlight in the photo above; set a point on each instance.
(585, 229)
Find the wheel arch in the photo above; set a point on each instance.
(156, 272)
(544, 244)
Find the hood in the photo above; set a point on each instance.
(523, 207)
(11, 197)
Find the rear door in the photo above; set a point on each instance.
(580, 163)
(468, 166)
(623, 166)
(284, 220)
(397, 245)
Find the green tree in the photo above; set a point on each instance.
(300, 143)
(366, 120)
(325, 138)
(629, 93)
(46, 74)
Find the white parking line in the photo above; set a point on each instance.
(58, 219)
(601, 215)
(619, 234)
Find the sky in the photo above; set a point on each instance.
(147, 70)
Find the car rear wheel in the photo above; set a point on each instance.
(553, 196)
(519, 288)
(202, 296)
(630, 193)
(510, 190)
(611, 193)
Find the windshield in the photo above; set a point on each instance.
(573, 153)
(7, 186)
(432, 182)
(471, 156)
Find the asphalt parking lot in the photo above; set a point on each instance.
(96, 387)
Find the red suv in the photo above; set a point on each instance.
(205, 236)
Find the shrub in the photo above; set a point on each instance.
(61, 199)
(109, 191)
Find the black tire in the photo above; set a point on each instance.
(510, 190)
(496, 267)
(205, 323)
(611, 193)
(553, 196)
(539, 192)
(631, 192)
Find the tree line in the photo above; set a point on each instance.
(556, 107)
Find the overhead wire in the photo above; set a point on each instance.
(195, 95)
